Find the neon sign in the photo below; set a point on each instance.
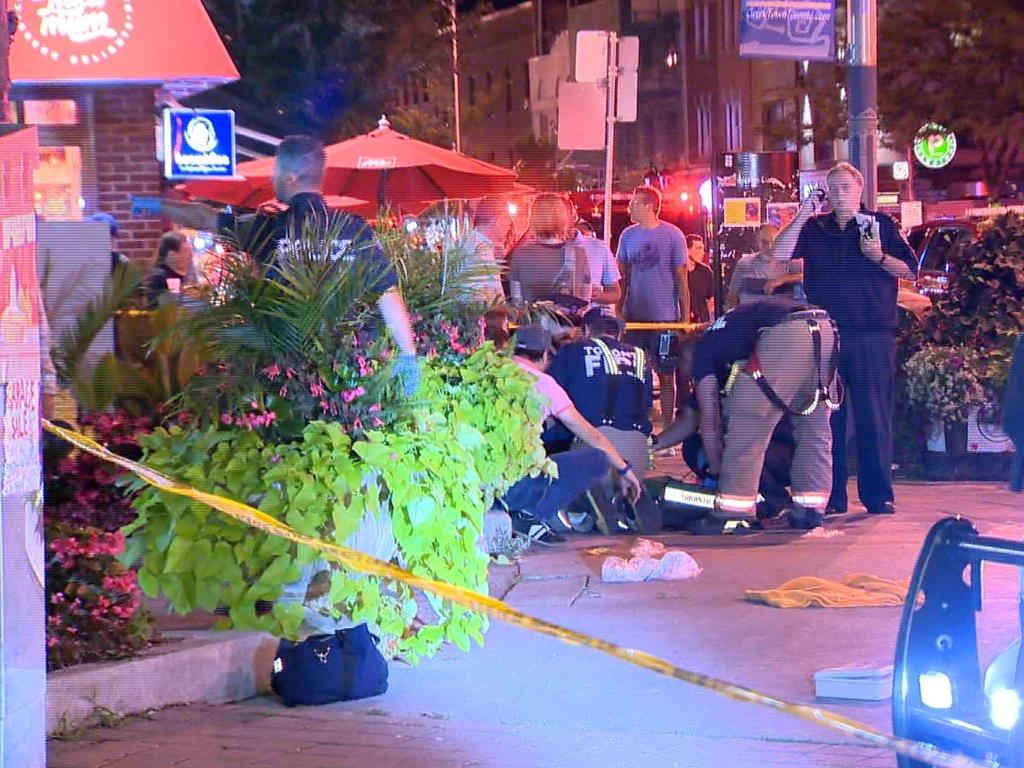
(81, 32)
(934, 146)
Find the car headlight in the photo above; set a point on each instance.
(1004, 708)
(936, 690)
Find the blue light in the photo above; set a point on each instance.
(1004, 708)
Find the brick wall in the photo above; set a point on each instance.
(126, 163)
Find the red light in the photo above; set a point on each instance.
(683, 197)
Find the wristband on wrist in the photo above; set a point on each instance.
(625, 470)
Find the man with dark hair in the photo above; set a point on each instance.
(652, 259)
(604, 270)
(538, 499)
(700, 281)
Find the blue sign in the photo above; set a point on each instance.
(199, 143)
(788, 29)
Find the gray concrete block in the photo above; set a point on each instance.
(497, 529)
(199, 667)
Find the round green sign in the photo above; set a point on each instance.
(934, 146)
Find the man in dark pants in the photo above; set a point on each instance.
(853, 260)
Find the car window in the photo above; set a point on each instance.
(916, 238)
(937, 252)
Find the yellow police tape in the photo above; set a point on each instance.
(497, 609)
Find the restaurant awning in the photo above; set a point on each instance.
(119, 41)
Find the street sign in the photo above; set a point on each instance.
(789, 29)
(626, 88)
(199, 143)
(581, 116)
(591, 56)
(934, 146)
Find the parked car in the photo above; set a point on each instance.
(932, 242)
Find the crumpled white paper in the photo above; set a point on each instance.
(650, 561)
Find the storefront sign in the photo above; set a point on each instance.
(376, 163)
(788, 29)
(934, 146)
(81, 32)
(199, 143)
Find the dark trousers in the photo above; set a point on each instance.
(578, 471)
(867, 365)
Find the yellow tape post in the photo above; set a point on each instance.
(499, 610)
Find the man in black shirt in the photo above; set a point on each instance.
(700, 279)
(853, 261)
(299, 168)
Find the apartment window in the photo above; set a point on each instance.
(702, 28)
(733, 126)
(730, 24)
(508, 89)
(704, 129)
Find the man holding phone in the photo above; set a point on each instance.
(853, 261)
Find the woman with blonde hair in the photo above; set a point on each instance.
(548, 264)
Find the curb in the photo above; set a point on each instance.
(211, 667)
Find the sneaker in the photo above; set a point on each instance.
(803, 519)
(540, 533)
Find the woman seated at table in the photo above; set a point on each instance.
(173, 266)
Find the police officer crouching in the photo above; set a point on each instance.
(770, 358)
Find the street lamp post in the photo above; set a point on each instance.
(862, 91)
(453, 12)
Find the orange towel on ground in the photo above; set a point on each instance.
(857, 590)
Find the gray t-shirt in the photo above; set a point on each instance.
(652, 257)
(751, 273)
(543, 269)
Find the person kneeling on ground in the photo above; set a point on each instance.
(778, 459)
(772, 358)
(538, 499)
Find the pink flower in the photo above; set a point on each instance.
(290, 372)
(283, 392)
(357, 423)
(375, 408)
(225, 418)
(272, 371)
(316, 389)
(324, 405)
(377, 422)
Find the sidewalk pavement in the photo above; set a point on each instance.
(526, 701)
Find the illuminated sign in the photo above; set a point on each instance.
(80, 32)
(376, 163)
(934, 146)
(901, 170)
(199, 143)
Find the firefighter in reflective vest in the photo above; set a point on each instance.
(610, 382)
(769, 358)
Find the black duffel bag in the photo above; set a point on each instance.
(325, 668)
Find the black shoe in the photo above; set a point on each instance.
(803, 519)
(834, 511)
(885, 508)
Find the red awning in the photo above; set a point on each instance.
(119, 41)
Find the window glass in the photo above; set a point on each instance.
(58, 183)
(50, 112)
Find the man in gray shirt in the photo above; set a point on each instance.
(652, 259)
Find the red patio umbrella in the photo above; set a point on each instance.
(383, 166)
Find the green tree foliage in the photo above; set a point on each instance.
(958, 63)
(331, 67)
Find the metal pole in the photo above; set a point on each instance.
(5, 80)
(454, 14)
(862, 91)
(609, 156)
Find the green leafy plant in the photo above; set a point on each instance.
(433, 477)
